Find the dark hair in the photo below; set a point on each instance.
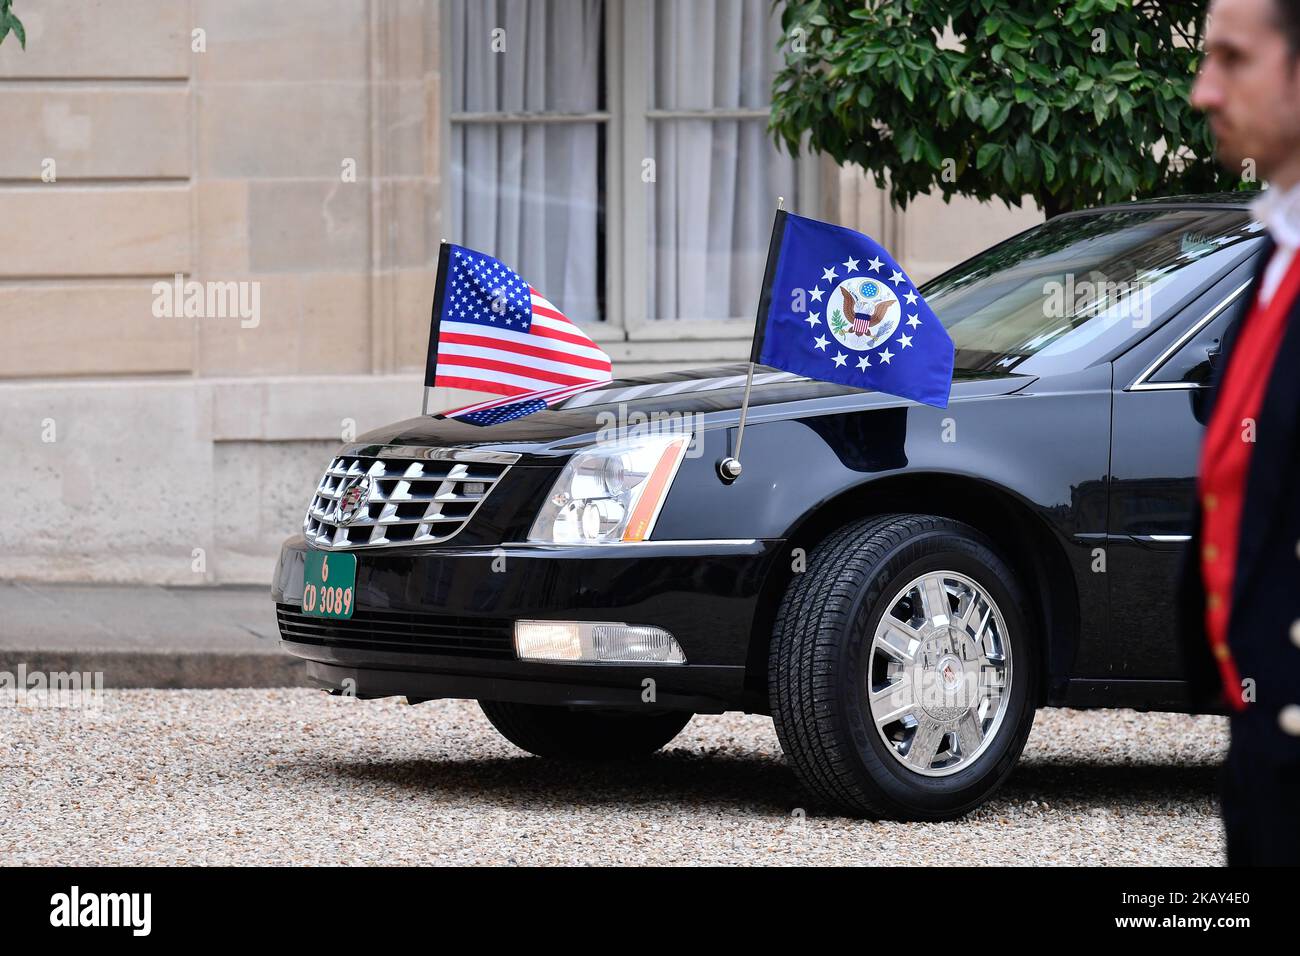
(1287, 15)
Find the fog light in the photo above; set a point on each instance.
(595, 642)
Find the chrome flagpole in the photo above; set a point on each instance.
(729, 468)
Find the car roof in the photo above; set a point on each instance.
(1233, 200)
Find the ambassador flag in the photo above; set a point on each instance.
(836, 307)
(493, 332)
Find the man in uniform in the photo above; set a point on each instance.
(1241, 586)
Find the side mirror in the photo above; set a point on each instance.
(1214, 355)
(1204, 374)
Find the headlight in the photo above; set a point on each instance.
(610, 493)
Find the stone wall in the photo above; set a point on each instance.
(182, 450)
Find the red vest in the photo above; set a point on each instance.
(1225, 463)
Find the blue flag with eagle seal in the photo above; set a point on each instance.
(836, 307)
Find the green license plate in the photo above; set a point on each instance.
(328, 584)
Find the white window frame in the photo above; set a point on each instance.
(627, 126)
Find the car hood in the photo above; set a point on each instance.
(707, 397)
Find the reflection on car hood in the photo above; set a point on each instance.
(713, 392)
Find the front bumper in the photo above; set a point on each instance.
(438, 622)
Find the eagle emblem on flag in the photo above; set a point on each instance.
(867, 316)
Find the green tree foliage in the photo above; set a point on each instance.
(10, 22)
(1073, 104)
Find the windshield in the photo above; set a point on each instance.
(1066, 294)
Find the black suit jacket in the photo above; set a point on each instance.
(1266, 583)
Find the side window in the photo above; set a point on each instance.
(1190, 365)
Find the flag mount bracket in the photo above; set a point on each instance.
(729, 468)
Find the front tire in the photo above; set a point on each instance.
(901, 669)
(581, 733)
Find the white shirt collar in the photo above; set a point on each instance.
(1279, 211)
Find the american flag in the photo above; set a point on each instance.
(508, 409)
(493, 332)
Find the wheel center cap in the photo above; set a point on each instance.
(950, 672)
(941, 688)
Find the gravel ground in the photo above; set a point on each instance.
(295, 776)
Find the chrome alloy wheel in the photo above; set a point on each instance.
(939, 673)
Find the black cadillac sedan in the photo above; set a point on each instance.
(898, 586)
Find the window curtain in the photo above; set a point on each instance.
(529, 193)
(710, 211)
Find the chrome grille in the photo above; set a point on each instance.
(372, 497)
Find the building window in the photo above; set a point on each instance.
(616, 153)
(528, 142)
